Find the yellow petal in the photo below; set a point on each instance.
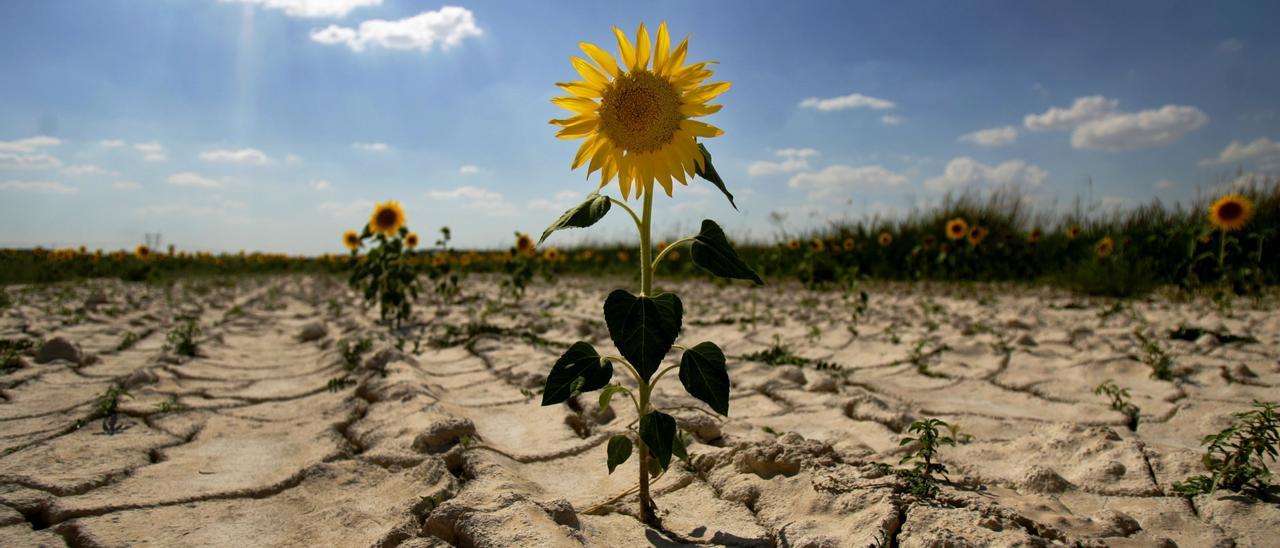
(579, 130)
(573, 120)
(624, 47)
(579, 104)
(588, 147)
(588, 72)
(599, 155)
(676, 59)
(707, 92)
(583, 89)
(642, 48)
(694, 110)
(700, 129)
(662, 49)
(601, 57)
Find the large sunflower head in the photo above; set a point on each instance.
(142, 252)
(351, 240)
(957, 228)
(386, 219)
(411, 240)
(638, 116)
(1231, 212)
(1104, 247)
(885, 239)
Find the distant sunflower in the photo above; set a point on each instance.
(642, 129)
(848, 244)
(793, 245)
(624, 257)
(142, 252)
(674, 256)
(524, 244)
(1034, 235)
(1104, 247)
(817, 245)
(976, 235)
(411, 240)
(387, 218)
(885, 239)
(662, 244)
(351, 240)
(1073, 232)
(1231, 212)
(551, 255)
(1205, 238)
(957, 228)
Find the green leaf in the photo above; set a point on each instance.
(703, 373)
(619, 451)
(582, 215)
(658, 431)
(708, 172)
(643, 328)
(679, 447)
(580, 369)
(607, 395)
(711, 250)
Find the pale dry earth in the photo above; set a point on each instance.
(437, 445)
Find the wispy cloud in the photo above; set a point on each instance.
(791, 161)
(838, 182)
(993, 137)
(1096, 124)
(472, 197)
(468, 170)
(152, 151)
(188, 178)
(853, 100)
(1260, 148)
(311, 8)
(27, 153)
(371, 147)
(41, 187)
(965, 173)
(88, 170)
(126, 185)
(244, 156)
(446, 28)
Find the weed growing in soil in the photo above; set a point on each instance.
(351, 352)
(183, 339)
(920, 479)
(1237, 456)
(1119, 401)
(170, 405)
(11, 351)
(644, 327)
(127, 341)
(922, 354)
(107, 406)
(1160, 362)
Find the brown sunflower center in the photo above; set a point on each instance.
(386, 218)
(640, 111)
(1230, 211)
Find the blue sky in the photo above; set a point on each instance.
(275, 124)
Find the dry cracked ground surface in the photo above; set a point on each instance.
(436, 444)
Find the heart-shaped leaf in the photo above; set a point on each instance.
(619, 451)
(643, 328)
(703, 373)
(606, 395)
(711, 250)
(658, 432)
(579, 369)
(708, 172)
(582, 215)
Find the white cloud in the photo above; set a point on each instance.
(447, 27)
(88, 170)
(292, 158)
(890, 120)
(18, 160)
(1143, 129)
(965, 173)
(563, 200)
(841, 180)
(125, 185)
(1230, 45)
(251, 156)
(853, 100)
(311, 8)
(29, 144)
(468, 170)
(1164, 184)
(152, 151)
(488, 201)
(371, 147)
(320, 184)
(111, 143)
(793, 159)
(187, 178)
(42, 187)
(1235, 152)
(993, 137)
(1082, 110)
(356, 209)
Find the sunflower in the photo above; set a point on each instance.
(1231, 212)
(793, 245)
(817, 245)
(1205, 238)
(976, 235)
(552, 255)
(642, 129)
(411, 240)
(624, 257)
(957, 228)
(524, 244)
(1073, 232)
(885, 239)
(387, 218)
(848, 244)
(1034, 235)
(1104, 247)
(351, 240)
(142, 252)
(674, 256)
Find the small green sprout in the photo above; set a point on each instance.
(183, 340)
(1237, 456)
(127, 341)
(920, 480)
(1119, 401)
(1160, 362)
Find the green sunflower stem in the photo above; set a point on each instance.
(646, 288)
